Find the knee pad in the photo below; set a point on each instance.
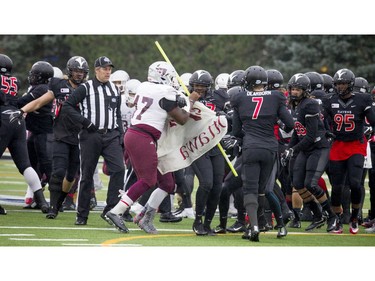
(55, 183)
(316, 191)
(206, 186)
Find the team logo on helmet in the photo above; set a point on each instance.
(80, 60)
(162, 71)
(340, 73)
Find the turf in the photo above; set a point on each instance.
(23, 227)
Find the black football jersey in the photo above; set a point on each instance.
(255, 114)
(215, 100)
(309, 131)
(64, 128)
(347, 117)
(41, 120)
(10, 85)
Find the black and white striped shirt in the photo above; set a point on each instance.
(99, 102)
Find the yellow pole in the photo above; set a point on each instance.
(188, 93)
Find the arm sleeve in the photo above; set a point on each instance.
(311, 134)
(75, 98)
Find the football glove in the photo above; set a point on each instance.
(16, 115)
(229, 142)
(330, 136)
(181, 101)
(368, 132)
(285, 156)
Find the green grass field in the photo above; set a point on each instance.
(22, 227)
(28, 239)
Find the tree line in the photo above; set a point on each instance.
(215, 53)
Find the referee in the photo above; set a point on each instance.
(101, 135)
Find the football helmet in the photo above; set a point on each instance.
(344, 76)
(131, 89)
(40, 73)
(275, 79)
(162, 72)
(185, 79)
(57, 72)
(300, 81)
(77, 63)
(316, 80)
(6, 65)
(120, 77)
(221, 81)
(255, 75)
(327, 83)
(201, 77)
(235, 78)
(361, 85)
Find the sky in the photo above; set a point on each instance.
(189, 17)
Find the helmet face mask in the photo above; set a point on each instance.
(131, 90)
(77, 69)
(40, 73)
(119, 78)
(162, 72)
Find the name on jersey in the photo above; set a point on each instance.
(64, 90)
(266, 93)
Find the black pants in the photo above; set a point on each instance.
(13, 136)
(92, 146)
(40, 152)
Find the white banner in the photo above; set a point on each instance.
(180, 145)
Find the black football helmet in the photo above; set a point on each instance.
(40, 73)
(77, 63)
(275, 79)
(316, 80)
(344, 76)
(361, 85)
(328, 83)
(300, 81)
(236, 78)
(255, 75)
(201, 77)
(6, 65)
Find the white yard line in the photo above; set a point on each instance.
(47, 239)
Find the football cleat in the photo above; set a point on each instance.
(3, 211)
(117, 222)
(316, 223)
(219, 230)
(281, 231)
(332, 223)
(295, 224)
(199, 229)
(169, 217)
(353, 226)
(254, 234)
(236, 227)
(338, 229)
